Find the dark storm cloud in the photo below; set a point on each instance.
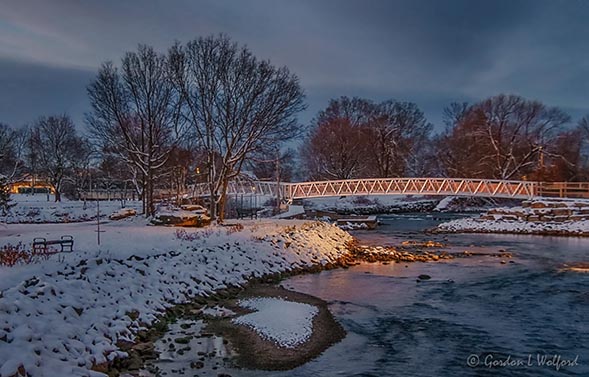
(29, 91)
(431, 52)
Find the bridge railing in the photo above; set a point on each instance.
(564, 189)
(404, 186)
(266, 188)
(414, 186)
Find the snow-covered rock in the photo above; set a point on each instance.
(123, 213)
(180, 217)
(373, 204)
(538, 216)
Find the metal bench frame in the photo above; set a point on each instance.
(66, 242)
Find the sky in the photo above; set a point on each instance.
(430, 52)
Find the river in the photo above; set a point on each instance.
(475, 317)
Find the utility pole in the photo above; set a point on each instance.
(277, 181)
(98, 221)
(541, 163)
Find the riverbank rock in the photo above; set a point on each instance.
(556, 217)
(123, 213)
(180, 218)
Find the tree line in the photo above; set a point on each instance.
(209, 107)
(209, 110)
(501, 137)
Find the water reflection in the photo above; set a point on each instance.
(497, 312)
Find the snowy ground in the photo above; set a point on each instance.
(286, 323)
(537, 216)
(377, 203)
(292, 211)
(580, 228)
(60, 316)
(37, 209)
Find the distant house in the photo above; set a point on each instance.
(28, 184)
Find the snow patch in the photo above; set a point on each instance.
(286, 323)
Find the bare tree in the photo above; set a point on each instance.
(502, 137)
(356, 137)
(277, 165)
(396, 133)
(12, 150)
(459, 150)
(236, 104)
(57, 148)
(335, 149)
(136, 115)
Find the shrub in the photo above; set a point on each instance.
(183, 235)
(234, 228)
(11, 255)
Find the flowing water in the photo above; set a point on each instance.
(474, 317)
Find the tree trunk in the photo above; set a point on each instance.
(223, 201)
(150, 207)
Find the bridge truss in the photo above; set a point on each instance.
(381, 186)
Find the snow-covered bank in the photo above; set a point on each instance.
(63, 316)
(470, 225)
(38, 209)
(379, 204)
(372, 204)
(545, 217)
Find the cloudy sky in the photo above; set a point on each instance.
(430, 52)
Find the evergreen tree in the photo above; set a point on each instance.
(5, 204)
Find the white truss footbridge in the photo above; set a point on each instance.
(381, 186)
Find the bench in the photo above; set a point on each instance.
(247, 212)
(66, 242)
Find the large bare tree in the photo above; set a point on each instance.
(136, 115)
(356, 137)
(503, 137)
(335, 149)
(58, 149)
(237, 105)
(336, 146)
(397, 131)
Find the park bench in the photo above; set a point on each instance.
(66, 242)
(247, 212)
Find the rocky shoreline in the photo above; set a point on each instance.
(329, 331)
(249, 349)
(554, 217)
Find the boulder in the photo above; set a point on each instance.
(194, 208)
(123, 213)
(180, 218)
(562, 212)
(579, 217)
(538, 205)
